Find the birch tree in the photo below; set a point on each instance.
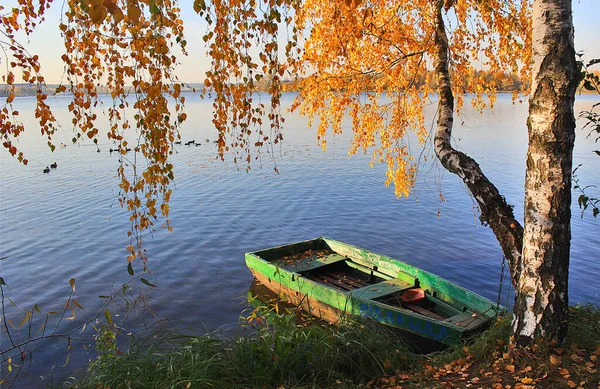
(541, 308)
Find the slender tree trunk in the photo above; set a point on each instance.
(493, 207)
(541, 308)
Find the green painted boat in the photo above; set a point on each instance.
(331, 279)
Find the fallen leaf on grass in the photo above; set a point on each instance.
(574, 346)
(523, 386)
(510, 368)
(576, 358)
(571, 384)
(554, 360)
(526, 380)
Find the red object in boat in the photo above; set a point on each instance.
(413, 295)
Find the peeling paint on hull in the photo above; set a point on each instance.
(330, 279)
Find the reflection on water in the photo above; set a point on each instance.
(67, 223)
(266, 305)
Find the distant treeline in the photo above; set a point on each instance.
(26, 89)
(505, 83)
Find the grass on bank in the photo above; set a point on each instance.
(277, 354)
(285, 355)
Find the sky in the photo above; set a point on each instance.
(47, 42)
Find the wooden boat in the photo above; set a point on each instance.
(331, 279)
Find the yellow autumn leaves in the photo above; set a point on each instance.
(368, 68)
(120, 45)
(99, 10)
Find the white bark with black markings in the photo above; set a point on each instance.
(541, 308)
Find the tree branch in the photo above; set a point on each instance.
(494, 211)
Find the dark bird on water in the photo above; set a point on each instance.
(177, 142)
(119, 150)
(53, 165)
(192, 142)
(46, 170)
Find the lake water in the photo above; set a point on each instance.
(67, 224)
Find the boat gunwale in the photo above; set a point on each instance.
(410, 270)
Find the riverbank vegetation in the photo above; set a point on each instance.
(282, 354)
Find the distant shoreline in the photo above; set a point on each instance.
(30, 90)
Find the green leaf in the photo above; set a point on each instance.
(154, 10)
(588, 85)
(145, 281)
(582, 200)
(593, 62)
(108, 317)
(130, 269)
(37, 308)
(199, 6)
(595, 212)
(3, 258)
(2, 281)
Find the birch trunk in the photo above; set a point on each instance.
(494, 211)
(541, 308)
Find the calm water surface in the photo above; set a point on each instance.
(68, 224)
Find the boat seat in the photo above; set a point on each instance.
(383, 288)
(311, 263)
(467, 320)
